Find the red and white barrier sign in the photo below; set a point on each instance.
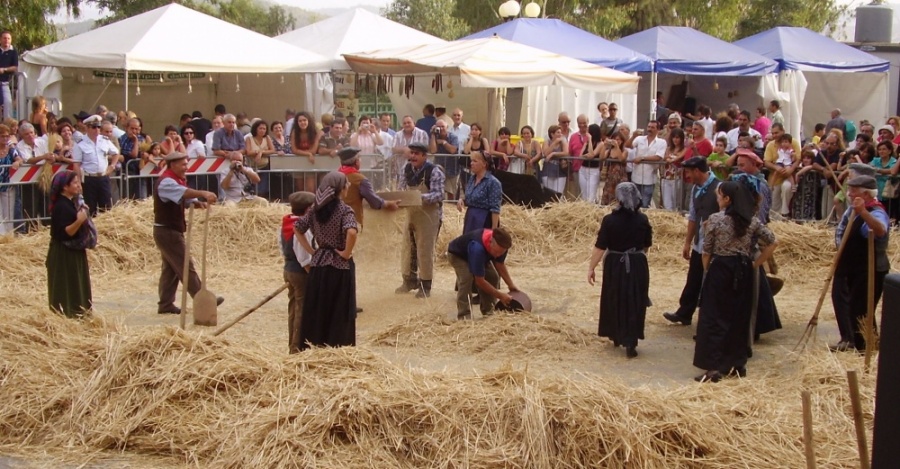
(195, 165)
(27, 174)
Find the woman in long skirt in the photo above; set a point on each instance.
(68, 276)
(725, 301)
(622, 242)
(329, 306)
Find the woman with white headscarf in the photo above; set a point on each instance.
(622, 243)
(329, 305)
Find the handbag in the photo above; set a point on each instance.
(85, 238)
(891, 189)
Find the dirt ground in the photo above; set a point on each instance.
(408, 331)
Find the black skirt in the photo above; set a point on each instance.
(329, 308)
(767, 319)
(624, 297)
(68, 280)
(724, 327)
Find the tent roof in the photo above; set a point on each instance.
(802, 49)
(354, 31)
(494, 63)
(686, 51)
(171, 38)
(562, 38)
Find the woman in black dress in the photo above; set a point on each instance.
(329, 306)
(623, 239)
(729, 239)
(68, 277)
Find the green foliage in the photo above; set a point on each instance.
(27, 21)
(434, 17)
(726, 19)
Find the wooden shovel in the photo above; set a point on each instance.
(205, 301)
(187, 267)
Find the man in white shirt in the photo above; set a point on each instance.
(648, 150)
(743, 121)
(33, 149)
(409, 134)
(775, 112)
(459, 128)
(91, 162)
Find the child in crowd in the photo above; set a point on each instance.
(717, 159)
(805, 200)
(744, 141)
(502, 148)
(152, 155)
(296, 264)
(818, 134)
(786, 155)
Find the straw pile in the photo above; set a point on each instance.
(98, 386)
(232, 402)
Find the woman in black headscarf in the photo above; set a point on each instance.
(725, 300)
(623, 239)
(329, 306)
(68, 276)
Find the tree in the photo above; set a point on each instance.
(434, 17)
(27, 21)
(612, 19)
(268, 19)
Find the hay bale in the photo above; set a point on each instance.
(98, 386)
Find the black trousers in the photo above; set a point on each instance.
(97, 193)
(853, 291)
(690, 295)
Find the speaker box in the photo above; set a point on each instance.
(886, 437)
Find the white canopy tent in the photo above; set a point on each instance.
(496, 63)
(356, 31)
(169, 39)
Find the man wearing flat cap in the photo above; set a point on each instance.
(170, 196)
(94, 159)
(360, 186)
(423, 222)
(703, 204)
(748, 162)
(865, 218)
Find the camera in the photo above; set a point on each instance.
(249, 189)
(436, 131)
(238, 167)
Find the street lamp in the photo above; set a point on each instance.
(511, 9)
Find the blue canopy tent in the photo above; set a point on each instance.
(800, 51)
(686, 51)
(564, 39)
(540, 105)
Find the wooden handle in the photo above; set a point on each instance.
(808, 446)
(205, 238)
(187, 267)
(869, 325)
(834, 264)
(856, 404)
(251, 310)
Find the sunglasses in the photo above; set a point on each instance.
(188, 132)
(613, 109)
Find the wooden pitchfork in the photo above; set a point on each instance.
(814, 320)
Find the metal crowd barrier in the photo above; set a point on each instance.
(287, 174)
(569, 184)
(26, 201)
(284, 175)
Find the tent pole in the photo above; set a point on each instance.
(126, 90)
(653, 86)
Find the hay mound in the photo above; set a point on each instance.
(97, 386)
(504, 334)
